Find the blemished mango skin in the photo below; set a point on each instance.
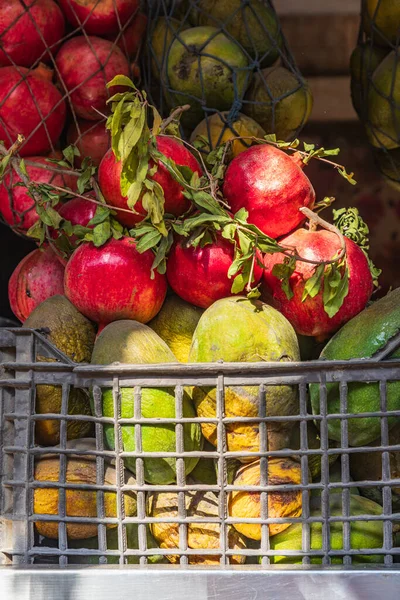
(78, 502)
(199, 535)
(281, 504)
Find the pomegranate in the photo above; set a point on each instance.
(18, 208)
(27, 29)
(130, 38)
(99, 17)
(175, 202)
(32, 106)
(114, 282)
(271, 186)
(91, 139)
(309, 317)
(77, 211)
(38, 276)
(86, 65)
(200, 275)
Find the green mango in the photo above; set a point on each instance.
(132, 542)
(362, 337)
(363, 534)
(134, 343)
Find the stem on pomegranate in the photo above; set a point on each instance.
(76, 195)
(329, 227)
(253, 261)
(15, 165)
(295, 150)
(13, 149)
(173, 116)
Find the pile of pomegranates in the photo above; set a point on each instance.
(246, 228)
(56, 58)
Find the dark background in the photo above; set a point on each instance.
(13, 248)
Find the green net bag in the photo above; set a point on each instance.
(230, 62)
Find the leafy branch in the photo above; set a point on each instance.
(309, 152)
(353, 226)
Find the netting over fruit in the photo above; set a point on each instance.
(230, 62)
(55, 61)
(375, 82)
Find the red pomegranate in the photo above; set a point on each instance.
(200, 275)
(309, 317)
(28, 99)
(175, 202)
(27, 29)
(99, 17)
(77, 211)
(114, 282)
(86, 65)
(130, 38)
(271, 186)
(16, 207)
(91, 139)
(37, 277)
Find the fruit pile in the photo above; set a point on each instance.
(375, 88)
(229, 61)
(55, 61)
(165, 255)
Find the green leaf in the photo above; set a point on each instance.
(37, 232)
(156, 122)
(285, 145)
(160, 259)
(308, 147)
(149, 240)
(80, 231)
(242, 215)
(131, 135)
(204, 200)
(195, 180)
(203, 218)
(69, 154)
(83, 181)
(270, 137)
(336, 288)
(238, 284)
(332, 152)
(179, 228)
(101, 233)
(102, 214)
(254, 293)
(348, 176)
(4, 164)
(186, 172)
(229, 231)
(153, 204)
(244, 241)
(121, 80)
(22, 167)
(284, 271)
(117, 229)
(238, 263)
(313, 284)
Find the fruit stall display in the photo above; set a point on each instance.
(203, 374)
(374, 83)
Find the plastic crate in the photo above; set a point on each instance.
(20, 545)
